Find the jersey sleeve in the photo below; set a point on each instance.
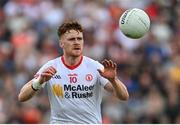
(45, 66)
(103, 81)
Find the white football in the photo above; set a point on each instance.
(134, 23)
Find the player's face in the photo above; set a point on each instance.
(72, 43)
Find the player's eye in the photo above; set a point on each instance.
(79, 38)
(71, 39)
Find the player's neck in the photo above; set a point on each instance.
(71, 61)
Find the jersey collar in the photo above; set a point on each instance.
(71, 67)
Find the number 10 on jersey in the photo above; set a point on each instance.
(72, 78)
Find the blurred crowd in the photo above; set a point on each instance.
(149, 67)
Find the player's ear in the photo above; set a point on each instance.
(61, 44)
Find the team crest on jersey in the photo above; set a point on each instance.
(58, 90)
(89, 77)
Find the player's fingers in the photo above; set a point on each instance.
(49, 68)
(52, 69)
(46, 75)
(111, 63)
(36, 76)
(107, 63)
(104, 64)
(115, 65)
(49, 71)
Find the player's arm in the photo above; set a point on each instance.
(26, 92)
(115, 86)
(118, 89)
(30, 88)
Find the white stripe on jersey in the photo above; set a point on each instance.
(75, 94)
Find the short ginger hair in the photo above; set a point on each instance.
(67, 26)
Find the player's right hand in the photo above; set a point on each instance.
(46, 74)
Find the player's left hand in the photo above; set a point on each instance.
(109, 71)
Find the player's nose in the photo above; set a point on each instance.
(76, 41)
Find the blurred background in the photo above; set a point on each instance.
(149, 67)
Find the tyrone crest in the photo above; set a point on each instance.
(89, 77)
